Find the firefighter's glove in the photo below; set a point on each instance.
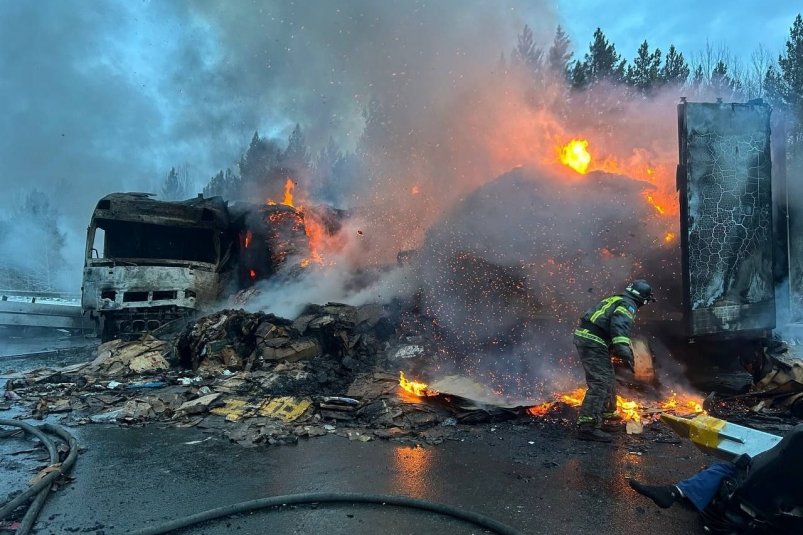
(628, 361)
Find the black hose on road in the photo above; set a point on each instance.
(328, 497)
(42, 487)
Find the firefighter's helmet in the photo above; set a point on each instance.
(641, 291)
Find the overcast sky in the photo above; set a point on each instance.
(107, 95)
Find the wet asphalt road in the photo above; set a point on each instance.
(130, 478)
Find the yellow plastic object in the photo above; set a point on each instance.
(234, 409)
(286, 408)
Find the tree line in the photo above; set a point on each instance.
(712, 71)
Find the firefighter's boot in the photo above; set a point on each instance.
(587, 431)
(612, 422)
(663, 496)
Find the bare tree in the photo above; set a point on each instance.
(756, 71)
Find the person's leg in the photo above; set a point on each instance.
(599, 377)
(701, 488)
(609, 410)
(663, 495)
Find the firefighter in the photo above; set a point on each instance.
(604, 330)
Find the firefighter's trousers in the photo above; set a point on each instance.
(601, 395)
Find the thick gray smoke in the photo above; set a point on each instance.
(107, 96)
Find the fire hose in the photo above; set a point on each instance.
(327, 497)
(39, 490)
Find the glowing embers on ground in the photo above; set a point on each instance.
(629, 410)
(575, 155)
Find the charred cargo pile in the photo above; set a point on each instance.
(253, 377)
(325, 346)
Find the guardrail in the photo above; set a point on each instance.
(30, 313)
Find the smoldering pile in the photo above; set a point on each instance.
(258, 378)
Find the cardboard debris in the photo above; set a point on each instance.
(292, 351)
(118, 358)
(260, 379)
(198, 405)
(642, 360)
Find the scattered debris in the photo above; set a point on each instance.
(260, 379)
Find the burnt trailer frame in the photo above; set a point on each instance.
(160, 261)
(724, 183)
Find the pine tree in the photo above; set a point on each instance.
(527, 53)
(296, 155)
(259, 160)
(601, 63)
(773, 91)
(43, 259)
(176, 185)
(699, 76)
(323, 168)
(644, 73)
(577, 75)
(790, 65)
(226, 185)
(721, 81)
(559, 53)
(675, 71)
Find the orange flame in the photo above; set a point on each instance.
(629, 410)
(414, 388)
(288, 193)
(575, 154)
(685, 405)
(252, 274)
(248, 238)
(287, 200)
(662, 196)
(317, 235)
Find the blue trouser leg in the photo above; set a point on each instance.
(701, 488)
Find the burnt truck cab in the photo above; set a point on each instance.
(150, 262)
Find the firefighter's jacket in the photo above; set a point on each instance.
(608, 323)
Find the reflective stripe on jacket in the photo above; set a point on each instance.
(608, 323)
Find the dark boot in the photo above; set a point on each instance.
(612, 422)
(595, 434)
(613, 427)
(663, 496)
